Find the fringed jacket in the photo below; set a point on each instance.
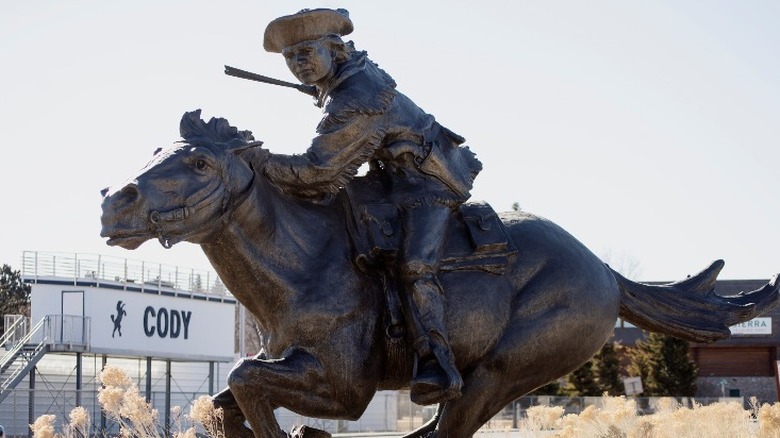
(366, 120)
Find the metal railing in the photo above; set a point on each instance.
(16, 327)
(70, 330)
(23, 344)
(97, 269)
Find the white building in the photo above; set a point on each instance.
(172, 330)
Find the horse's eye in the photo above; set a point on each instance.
(201, 164)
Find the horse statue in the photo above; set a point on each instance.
(532, 307)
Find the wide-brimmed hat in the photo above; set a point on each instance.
(308, 24)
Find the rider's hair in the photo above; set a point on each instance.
(341, 50)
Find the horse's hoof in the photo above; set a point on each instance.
(304, 431)
(225, 400)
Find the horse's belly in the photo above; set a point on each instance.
(478, 311)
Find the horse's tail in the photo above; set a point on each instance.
(690, 309)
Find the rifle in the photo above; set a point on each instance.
(306, 89)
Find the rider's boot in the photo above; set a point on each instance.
(437, 378)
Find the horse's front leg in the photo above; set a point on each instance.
(298, 382)
(232, 417)
(257, 411)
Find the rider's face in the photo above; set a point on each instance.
(310, 61)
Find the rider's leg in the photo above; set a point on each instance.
(437, 378)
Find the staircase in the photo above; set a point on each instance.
(21, 348)
(22, 353)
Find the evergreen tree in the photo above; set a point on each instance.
(552, 388)
(599, 375)
(664, 366)
(582, 382)
(14, 293)
(606, 367)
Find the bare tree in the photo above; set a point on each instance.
(626, 264)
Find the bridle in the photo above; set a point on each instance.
(159, 219)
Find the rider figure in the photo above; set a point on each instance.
(366, 120)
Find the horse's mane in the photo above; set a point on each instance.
(217, 130)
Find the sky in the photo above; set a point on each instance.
(649, 130)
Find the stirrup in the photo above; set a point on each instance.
(440, 395)
(432, 385)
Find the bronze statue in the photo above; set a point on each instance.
(519, 314)
(387, 280)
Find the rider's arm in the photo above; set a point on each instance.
(330, 162)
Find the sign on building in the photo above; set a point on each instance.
(144, 323)
(756, 326)
(633, 385)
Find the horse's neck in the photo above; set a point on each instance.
(268, 246)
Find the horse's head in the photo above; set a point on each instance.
(184, 191)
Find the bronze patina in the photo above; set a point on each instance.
(387, 280)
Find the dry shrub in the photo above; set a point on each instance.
(121, 402)
(727, 420)
(79, 423)
(43, 427)
(78, 427)
(542, 417)
(204, 412)
(616, 419)
(768, 421)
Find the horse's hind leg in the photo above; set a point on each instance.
(523, 361)
(483, 397)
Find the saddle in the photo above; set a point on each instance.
(476, 240)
